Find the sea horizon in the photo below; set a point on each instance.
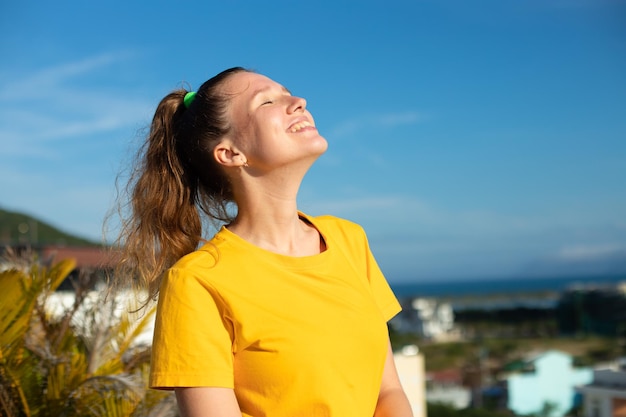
(505, 285)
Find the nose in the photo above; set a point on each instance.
(297, 104)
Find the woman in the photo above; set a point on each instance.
(280, 313)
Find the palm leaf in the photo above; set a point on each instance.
(19, 293)
(18, 302)
(88, 361)
(111, 396)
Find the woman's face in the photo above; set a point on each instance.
(271, 127)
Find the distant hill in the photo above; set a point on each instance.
(22, 229)
(608, 263)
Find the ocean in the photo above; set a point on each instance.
(510, 286)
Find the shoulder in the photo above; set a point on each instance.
(330, 221)
(203, 258)
(203, 261)
(338, 227)
(194, 277)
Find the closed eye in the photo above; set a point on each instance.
(277, 97)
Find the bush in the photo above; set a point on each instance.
(83, 360)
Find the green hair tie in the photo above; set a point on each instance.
(189, 97)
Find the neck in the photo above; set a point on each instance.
(268, 218)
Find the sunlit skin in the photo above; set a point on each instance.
(272, 143)
(271, 127)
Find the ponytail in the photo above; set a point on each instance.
(174, 186)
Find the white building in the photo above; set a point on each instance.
(446, 387)
(605, 396)
(428, 317)
(410, 365)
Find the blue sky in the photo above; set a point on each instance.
(471, 139)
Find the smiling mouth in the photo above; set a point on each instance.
(299, 126)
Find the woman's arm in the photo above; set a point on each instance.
(392, 401)
(207, 402)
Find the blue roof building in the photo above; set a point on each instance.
(545, 383)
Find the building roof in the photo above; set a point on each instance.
(85, 256)
(446, 376)
(527, 363)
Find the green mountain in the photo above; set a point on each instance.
(22, 229)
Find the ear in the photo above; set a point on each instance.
(227, 154)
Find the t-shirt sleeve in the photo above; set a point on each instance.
(192, 344)
(384, 296)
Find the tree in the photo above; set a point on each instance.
(83, 361)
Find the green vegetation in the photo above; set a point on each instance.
(497, 352)
(21, 229)
(445, 410)
(518, 322)
(80, 361)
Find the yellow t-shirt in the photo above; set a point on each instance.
(294, 336)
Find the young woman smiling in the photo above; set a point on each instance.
(279, 313)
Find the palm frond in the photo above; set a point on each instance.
(84, 358)
(110, 395)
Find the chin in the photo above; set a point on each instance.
(322, 144)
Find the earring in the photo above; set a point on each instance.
(245, 163)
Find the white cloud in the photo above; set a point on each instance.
(45, 82)
(412, 235)
(63, 129)
(397, 119)
(387, 120)
(410, 215)
(44, 106)
(590, 252)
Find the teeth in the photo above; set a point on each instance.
(300, 125)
